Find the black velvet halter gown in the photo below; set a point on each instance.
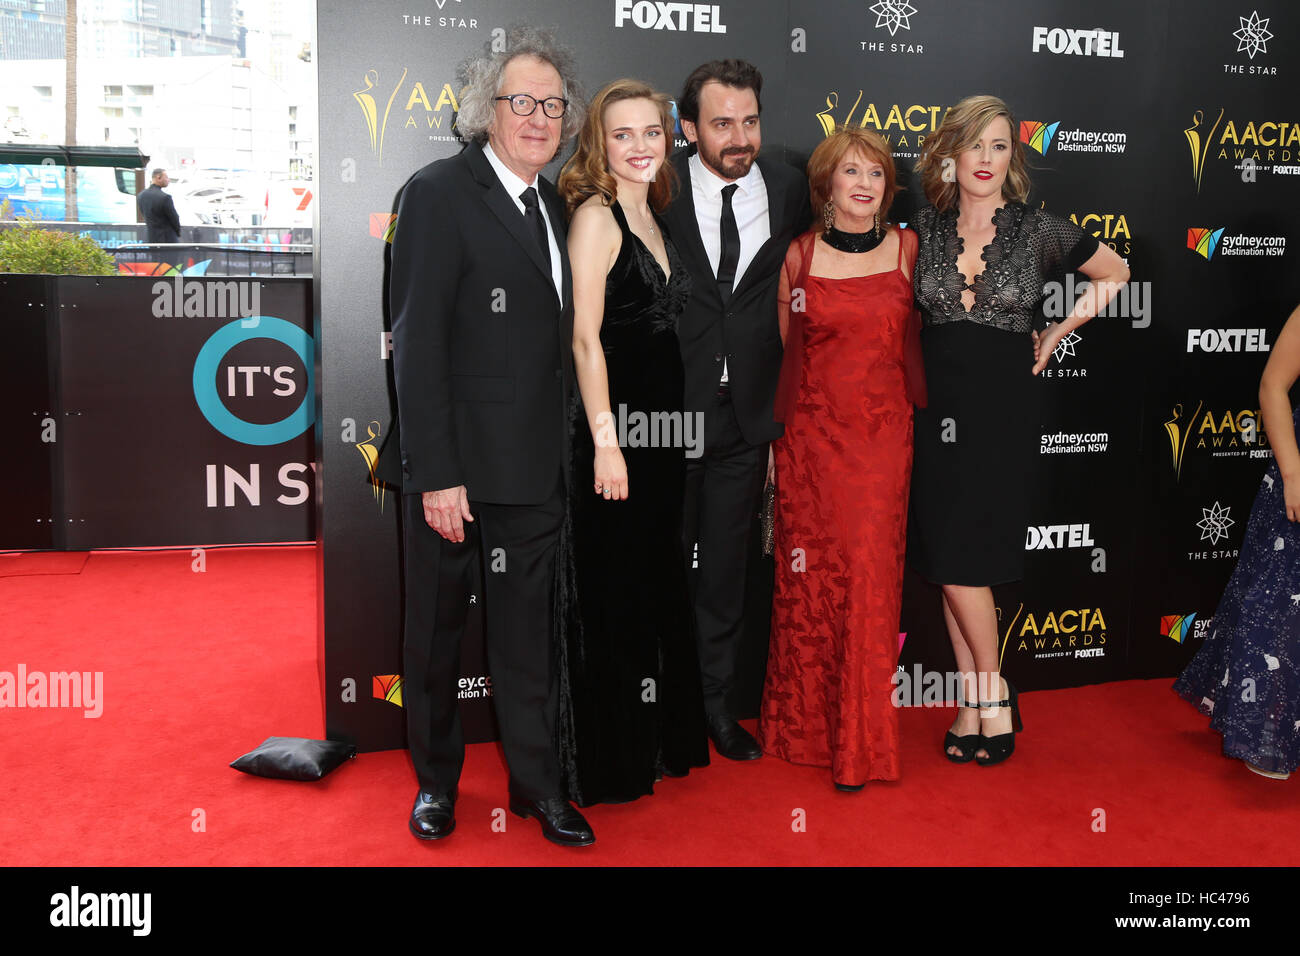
(631, 704)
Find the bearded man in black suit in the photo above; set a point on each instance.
(732, 221)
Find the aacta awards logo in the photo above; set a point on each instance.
(437, 114)
(1230, 434)
(903, 127)
(1068, 633)
(370, 453)
(1270, 145)
(1112, 228)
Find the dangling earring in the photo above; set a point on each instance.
(828, 215)
(879, 231)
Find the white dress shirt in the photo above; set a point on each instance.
(515, 187)
(748, 205)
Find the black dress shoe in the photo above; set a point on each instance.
(432, 817)
(560, 822)
(850, 787)
(732, 740)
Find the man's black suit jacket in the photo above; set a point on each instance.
(482, 350)
(745, 331)
(159, 214)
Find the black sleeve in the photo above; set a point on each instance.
(1065, 245)
(426, 259)
(169, 210)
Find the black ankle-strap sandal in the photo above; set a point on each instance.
(1001, 746)
(967, 745)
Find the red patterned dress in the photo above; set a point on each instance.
(842, 477)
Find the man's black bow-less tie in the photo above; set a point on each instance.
(730, 255)
(533, 214)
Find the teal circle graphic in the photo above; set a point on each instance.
(205, 380)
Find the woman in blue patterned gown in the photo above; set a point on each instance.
(1246, 676)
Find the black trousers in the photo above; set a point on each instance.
(723, 487)
(516, 546)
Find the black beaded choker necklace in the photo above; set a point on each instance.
(852, 241)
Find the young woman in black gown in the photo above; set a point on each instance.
(983, 259)
(632, 708)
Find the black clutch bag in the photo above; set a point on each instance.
(767, 518)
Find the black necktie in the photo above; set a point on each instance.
(533, 215)
(730, 255)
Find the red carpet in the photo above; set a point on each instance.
(201, 667)
(17, 563)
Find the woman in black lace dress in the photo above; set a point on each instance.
(984, 257)
(632, 708)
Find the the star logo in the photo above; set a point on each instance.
(1214, 523)
(892, 14)
(1066, 346)
(1253, 36)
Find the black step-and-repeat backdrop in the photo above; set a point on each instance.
(1171, 131)
(157, 411)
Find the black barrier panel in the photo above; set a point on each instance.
(185, 423)
(29, 411)
(1151, 126)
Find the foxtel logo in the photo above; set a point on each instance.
(1077, 42)
(686, 17)
(1227, 340)
(1052, 536)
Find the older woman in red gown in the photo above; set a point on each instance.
(842, 471)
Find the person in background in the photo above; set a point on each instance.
(158, 211)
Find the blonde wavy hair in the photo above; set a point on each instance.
(962, 127)
(587, 171)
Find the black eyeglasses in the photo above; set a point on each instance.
(524, 105)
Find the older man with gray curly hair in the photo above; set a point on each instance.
(482, 315)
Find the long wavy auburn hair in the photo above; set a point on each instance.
(587, 171)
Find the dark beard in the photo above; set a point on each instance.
(733, 166)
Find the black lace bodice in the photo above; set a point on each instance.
(1029, 247)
